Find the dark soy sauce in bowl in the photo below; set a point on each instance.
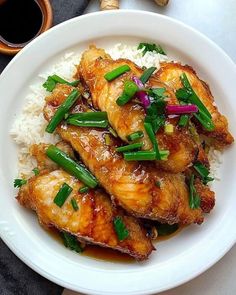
(20, 21)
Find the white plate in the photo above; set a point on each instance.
(175, 261)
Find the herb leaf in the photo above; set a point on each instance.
(19, 182)
(151, 47)
(203, 172)
(51, 82)
(165, 229)
(120, 229)
(71, 242)
(36, 171)
(194, 199)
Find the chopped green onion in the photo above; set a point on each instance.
(165, 229)
(74, 204)
(147, 74)
(112, 131)
(71, 242)
(169, 128)
(51, 82)
(145, 155)
(205, 121)
(116, 72)
(134, 136)
(153, 139)
(203, 172)
(151, 47)
(194, 199)
(158, 183)
(129, 147)
(62, 110)
(189, 95)
(88, 119)
(107, 139)
(157, 93)
(62, 194)
(19, 182)
(69, 165)
(183, 121)
(130, 88)
(60, 80)
(36, 171)
(120, 228)
(84, 190)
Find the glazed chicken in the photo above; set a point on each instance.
(132, 185)
(170, 73)
(95, 63)
(92, 222)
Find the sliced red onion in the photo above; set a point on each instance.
(138, 82)
(181, 109)
(144, 98)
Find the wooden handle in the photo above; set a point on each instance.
(162, 2)
(109, 4)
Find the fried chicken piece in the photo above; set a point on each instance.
(95, 63)
(132, 185)
(170, 73)
(92, 222)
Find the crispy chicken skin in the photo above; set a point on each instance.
(132, 185)
(92, 223)
(95, 63)
(170, 73)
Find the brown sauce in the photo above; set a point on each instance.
(102, 253)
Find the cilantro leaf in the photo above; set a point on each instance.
(120, 229)
(49, 84)
(36, 171)
(19, 182)
(151, 47)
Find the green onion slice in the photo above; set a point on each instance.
(145, 155)
(203, 172)
(69, 165)
(112, 131)
(134, 136)
(194, 199)
(129, 147)
(187, 94)
(165, 229)
(35, 171)
(116, 72)
(62, 194)
(151, 134)
(120, 228)
(62, 110)
(130, 88)
(183, 121)
(84, 189)
(89, 119)
(19, 182)
(74, 204)
(71, 242)
(147, 74)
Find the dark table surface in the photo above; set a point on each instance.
(15, 276)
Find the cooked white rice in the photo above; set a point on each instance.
(29, 126)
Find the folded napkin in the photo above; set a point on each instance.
(15, 277)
